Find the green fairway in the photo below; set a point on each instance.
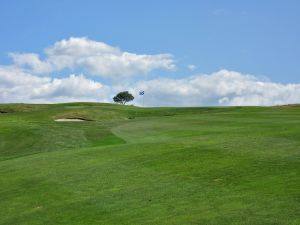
(130, 165)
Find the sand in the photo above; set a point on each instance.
(69, 120)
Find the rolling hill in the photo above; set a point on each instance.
(130, 165)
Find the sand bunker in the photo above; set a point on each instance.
(70, 120)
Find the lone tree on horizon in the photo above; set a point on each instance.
(123, 97)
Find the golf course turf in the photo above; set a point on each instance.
(129, 165)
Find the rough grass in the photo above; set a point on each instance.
(236, 165)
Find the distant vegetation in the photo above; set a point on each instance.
(123, 97)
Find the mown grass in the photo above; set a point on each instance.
(128, 165)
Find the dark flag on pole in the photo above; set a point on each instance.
(142, 94)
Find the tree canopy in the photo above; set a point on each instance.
(123, 97)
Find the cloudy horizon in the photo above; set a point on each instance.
(29, 79)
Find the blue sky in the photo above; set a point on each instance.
(260, 38)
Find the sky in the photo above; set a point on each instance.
(180, 52)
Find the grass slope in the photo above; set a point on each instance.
(128, 165)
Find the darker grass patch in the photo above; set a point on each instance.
(169, 114)
(6, 110)
(287, 106)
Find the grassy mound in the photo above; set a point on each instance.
(128, 165)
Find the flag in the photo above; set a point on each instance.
(141, 92)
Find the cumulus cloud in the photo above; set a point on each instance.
(32, 61)
(21, 81)
(226, 88)
(19, 86)
(96, 58)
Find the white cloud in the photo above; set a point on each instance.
(221, 88)
(32, 61)
(21, 82)
(19, 86)
(96, 58)
(191, 67)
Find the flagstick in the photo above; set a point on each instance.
(142, 93)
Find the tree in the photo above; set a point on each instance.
(123, 97)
